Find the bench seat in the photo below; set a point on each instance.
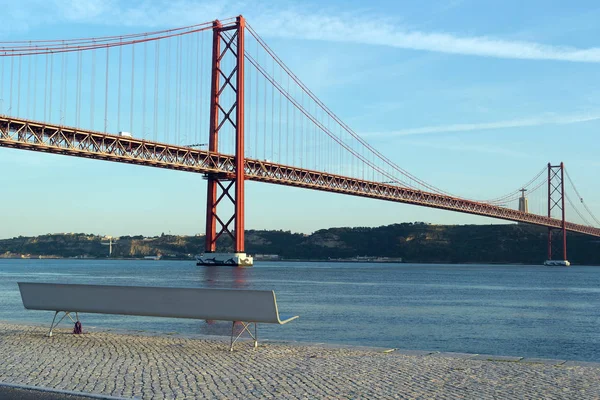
(236, 305)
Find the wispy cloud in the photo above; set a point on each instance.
(147, 13)
(301, 23)
(379, 32)
(473, 148)
(85, 9)
(468, 127)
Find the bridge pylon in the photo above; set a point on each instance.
(226, 111)
(556, 200)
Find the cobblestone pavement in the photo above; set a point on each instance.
(167, 366)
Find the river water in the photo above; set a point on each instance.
(529, 311)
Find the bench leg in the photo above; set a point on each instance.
(245, 328)
(53, 325)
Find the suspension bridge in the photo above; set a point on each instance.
(215, 99)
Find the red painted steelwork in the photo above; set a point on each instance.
(221, 115)
(549, 215)
(239, 142)
(564, 222)
(213, 141)
(38, 136)
(556, 199)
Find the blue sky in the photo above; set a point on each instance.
(473, 97)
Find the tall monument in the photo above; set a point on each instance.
(523, 203)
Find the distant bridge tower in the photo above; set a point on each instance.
(523, 202)
(556, 200)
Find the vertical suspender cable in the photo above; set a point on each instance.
(12, 80)
(265, 118)
(329, 145)
(180, 126)
(92, 88)
(2, 85)
(64, 87)
(316, 147)
(28, 97)
(256, 107)
(342, 154)
(287, 124)
(248, 110)
(302, 133)
(132, 87)
(144, 131)
(35, 68)
(50, 94)
(272, 112)
(156, 71)
(19, 88)
(45, 89)
(106, 92)
(201, 81)
(188, 90)
(61, 90)
(313, 141)
(294, 136)
(196, 97)
(191, 88)
(119, 86)
(191, 85)
(168, 90)
(279, 157)
(79, 74)
(177, 89)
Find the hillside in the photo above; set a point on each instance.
(414, 242)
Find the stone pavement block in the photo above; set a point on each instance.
(545, 361)
(491, 357)
(454, 355)
(581, 364)
(414, 352)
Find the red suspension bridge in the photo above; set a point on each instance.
(150, 99)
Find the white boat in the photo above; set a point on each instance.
(557, 263)
(231, 259)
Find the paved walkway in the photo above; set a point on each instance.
(176, 367)
(8, 392)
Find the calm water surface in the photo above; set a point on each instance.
(531, 311)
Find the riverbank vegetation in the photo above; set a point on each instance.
(413, 242)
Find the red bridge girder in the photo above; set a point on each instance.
(38, 136)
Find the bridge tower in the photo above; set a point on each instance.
(228, 43)
(556, 200)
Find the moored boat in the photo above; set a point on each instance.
(557, 263)
(230, 259)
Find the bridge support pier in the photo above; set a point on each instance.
(228, 43)
(556, 200)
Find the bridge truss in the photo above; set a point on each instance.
(37, 136)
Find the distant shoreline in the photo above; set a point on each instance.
(296, 261)
(411, 242)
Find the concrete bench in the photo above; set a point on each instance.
(244, 306)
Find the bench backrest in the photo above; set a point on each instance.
(217, 304)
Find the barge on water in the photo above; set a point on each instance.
(229, 259)
(557, 263)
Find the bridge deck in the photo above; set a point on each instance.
(38, 136)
